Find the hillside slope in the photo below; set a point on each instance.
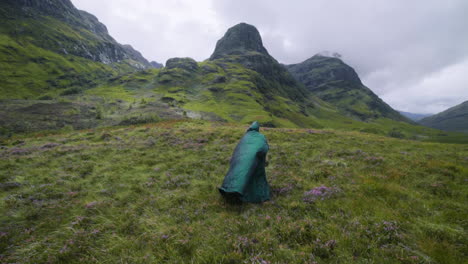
(337, 83)
(49, 46)
(452, 119)
(147, 194)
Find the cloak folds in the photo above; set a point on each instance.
(246, 179)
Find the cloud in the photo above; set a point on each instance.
(435, 92)
(160, 29)
(395, 46)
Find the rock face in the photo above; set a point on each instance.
(238, 40)
(320, 69)
(81, 33)
(337, 83)
(243, 44)
(188, 64)
(57, 8)
(452, 119)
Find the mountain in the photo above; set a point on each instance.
(452, 119)
(49, 46)
(414, 116)
(156, 65)
(337, 83)
(242, 44)
(241, 82)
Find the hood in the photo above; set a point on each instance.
(255, 126)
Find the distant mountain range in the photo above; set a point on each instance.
(61, 69)
(452, 119)
(414, 116)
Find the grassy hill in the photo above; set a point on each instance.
(147, 194)
(48, 48)
(452, 119)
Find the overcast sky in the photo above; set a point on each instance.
(413, 54)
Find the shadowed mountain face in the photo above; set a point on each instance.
(452, 119)
(335, 82)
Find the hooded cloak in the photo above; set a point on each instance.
(246, 179)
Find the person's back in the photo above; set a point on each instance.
(246, 179)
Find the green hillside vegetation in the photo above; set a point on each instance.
(51, 48)
(209, 90)
(31, 72)
(147, 194)
(452, 119)
(224, 91)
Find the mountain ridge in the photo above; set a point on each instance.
(335, 82)
(453, 119)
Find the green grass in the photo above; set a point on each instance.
(147, 194)
(30, 72)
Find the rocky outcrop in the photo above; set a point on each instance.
(57, 8)
(320, 69)
(238, 40)
(188, 64)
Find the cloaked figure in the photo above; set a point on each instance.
(246, 180)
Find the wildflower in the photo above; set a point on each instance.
(320, 193)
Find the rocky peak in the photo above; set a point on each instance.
(321, 69)
(239, 39)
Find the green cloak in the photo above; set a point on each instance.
(246, 179)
